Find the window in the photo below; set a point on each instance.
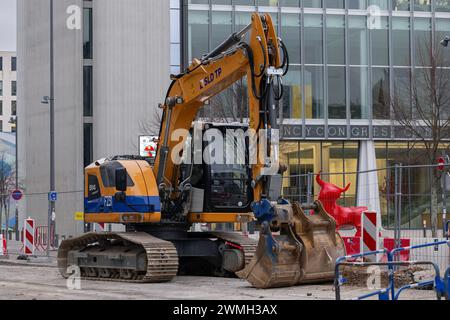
(244, 2)
(336, 39)
(292, 97)
(380, 43)
(357, 4)
(87, 91)
(357, 40)
(1, 88)
(312, 3)
(199, 1)
(13, 88)
(382, 4)
(1, 125)
(14, 108)
(339, 4)
(313, 38)
(442, 30)
(198, 34)
(290, 3)
(380, 93)
(442, 5)
(422, 5)
(13, 63)
(228, 2)
(272, 3)
(336, 93)
(1, 63)
(1, 107)
(87, 144)
(290, 34)
(314, 93)
(87, 34)
(401, 41)
(359, 100)
(400, 5)
(422, 41)
(221, 27)
(402, 90)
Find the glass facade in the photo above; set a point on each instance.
(348, 58)
(345, 61)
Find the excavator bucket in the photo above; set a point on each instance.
(304, 251)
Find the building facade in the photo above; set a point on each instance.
(112, 65)
(8, 90)
(346, 58)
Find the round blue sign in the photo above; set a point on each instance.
(17, 195)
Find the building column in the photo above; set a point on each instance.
(368, 192)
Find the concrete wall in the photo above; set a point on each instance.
(33, 84)
(131, 73)
(131, 70)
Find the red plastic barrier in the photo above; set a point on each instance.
(352, 245)
(389, 244)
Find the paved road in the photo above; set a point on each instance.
(22, 281)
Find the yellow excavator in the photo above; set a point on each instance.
(158, 202)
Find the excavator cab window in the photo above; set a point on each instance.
(227, 183)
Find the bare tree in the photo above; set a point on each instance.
(421, 107)
(230, 104)
(150, 125)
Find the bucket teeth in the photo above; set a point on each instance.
(304, 251)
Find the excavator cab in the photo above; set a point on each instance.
(220, 183)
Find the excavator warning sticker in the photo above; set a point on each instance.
(210, 79)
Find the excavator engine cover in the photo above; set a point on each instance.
(305, 250)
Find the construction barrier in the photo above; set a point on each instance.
(370, 234)
(447, 283)
(383, 294)
(40, 238)
(99, 227)
(29, 236)
(440, 285)
(3, 248)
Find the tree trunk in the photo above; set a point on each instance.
(434, 207)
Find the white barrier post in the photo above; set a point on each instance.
(3, 251)
(28, 236)
(99, 227)
(370, 234)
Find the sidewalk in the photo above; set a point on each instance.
(38, 259)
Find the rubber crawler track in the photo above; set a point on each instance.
(162, 257)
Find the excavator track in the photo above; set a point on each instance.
(248, 245)
(161, 257)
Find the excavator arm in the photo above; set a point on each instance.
(259, 60)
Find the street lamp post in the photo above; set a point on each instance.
(51, 217)
(51, 101)
(16, 214)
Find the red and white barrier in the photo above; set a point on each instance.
(28, 237)
(370, 233)
(3, 249)
(99, 227)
